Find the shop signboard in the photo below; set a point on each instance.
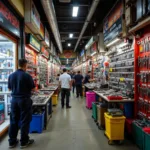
(47, 42)
(93, 48)
(8, 20)
(68, 54)
(33, 42)
(42, 31)
(113, 23)
(44, 52)
(82, 53)
(32, 17)
(91, 41)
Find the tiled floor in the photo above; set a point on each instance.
(72, 129)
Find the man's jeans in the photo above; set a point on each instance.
(21, 116)
(65, 93)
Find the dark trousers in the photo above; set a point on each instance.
(21, 115)
(73, 87)
(65, 93)
(79, 90)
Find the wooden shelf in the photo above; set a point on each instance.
(140, 25)
(4, 127)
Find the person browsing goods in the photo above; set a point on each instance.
(65, 83)
(78, 82)
(20, 84)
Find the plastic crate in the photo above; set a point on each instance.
(128, 110)
(94, 110)
(90, 97)
(138, 135)
(146, 141)
(54, 99)
(37, 123)
(101, 109)
(114, 127)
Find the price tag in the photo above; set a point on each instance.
(122, 79)
(110, 69)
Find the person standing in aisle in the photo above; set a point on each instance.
(65, 83)
(78, 82)
(73, 82)
(87, 80)
(20, 84)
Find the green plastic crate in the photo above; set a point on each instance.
(94, 110)
(146, 141)
(138, 135)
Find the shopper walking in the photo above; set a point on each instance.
(78, 82)
(65, 83)
(20, 84)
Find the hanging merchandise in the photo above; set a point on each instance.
(142, 51)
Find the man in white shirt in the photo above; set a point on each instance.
(65, 83)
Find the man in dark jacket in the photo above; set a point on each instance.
(78, 82)
(20, 84)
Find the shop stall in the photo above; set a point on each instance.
(10, 49)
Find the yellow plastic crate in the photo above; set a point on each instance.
(114, 127)
(54, 99)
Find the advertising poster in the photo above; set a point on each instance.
(45, 52)
(113, 23)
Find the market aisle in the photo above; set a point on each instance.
(72, 129)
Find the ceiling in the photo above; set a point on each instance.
(68, 24)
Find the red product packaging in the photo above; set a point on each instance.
(114, 97)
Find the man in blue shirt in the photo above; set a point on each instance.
(21, 84)
(78, 82)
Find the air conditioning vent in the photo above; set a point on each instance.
(64, 1)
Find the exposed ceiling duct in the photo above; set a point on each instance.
(90, 14)
(51, 16)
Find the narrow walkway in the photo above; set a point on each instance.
(72, 129)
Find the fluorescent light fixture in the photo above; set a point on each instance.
(93, 53)
(69, 44)
(113, 42)
(71, 35)
(75, 11)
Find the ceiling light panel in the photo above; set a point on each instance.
(75, 11)
(70, 35)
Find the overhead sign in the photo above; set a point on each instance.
(8, 20)
(44, 52)
(32, 17)
(68, 54)
(47, 38)
(42, 31)
(113, 23)
(33, 42)
(94, 47)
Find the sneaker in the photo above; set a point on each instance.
(68, 107)
(27, 144)
(13, 145)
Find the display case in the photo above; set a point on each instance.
(7, 66)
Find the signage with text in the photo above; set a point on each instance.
(33, 42)
(45, 52)
(42, 31)
(113, 23)
(8, 20)
(35, 16)
(47, 37)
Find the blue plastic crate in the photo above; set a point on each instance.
(37, 123)
(129, 110)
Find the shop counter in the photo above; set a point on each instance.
(124, 100)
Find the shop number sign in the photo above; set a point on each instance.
(8, 20)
